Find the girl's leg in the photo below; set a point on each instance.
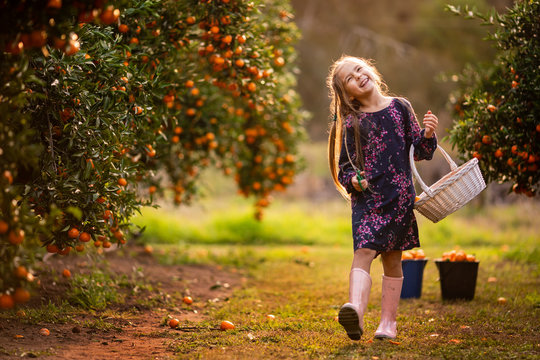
(391, 292)
(363, 258)
(391, 261)
(351, 315)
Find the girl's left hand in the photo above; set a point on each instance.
(430, 123)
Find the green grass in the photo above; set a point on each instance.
(95, 291)
(235, 224)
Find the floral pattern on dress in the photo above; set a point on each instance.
(382, 216)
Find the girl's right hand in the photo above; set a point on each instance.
(355, 184)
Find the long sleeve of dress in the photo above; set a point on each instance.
(423, 147)
(346, 171)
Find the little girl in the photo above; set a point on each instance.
(372, 133)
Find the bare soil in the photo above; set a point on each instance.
(132, 329)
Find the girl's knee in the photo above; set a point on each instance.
(365, 253)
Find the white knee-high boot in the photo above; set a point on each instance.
(351, 315)
(391, 292)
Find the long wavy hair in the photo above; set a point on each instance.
(341, 106)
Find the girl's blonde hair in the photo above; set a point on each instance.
(341, 106)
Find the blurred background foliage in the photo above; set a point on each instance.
(417, 46)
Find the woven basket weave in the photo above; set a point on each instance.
(450, 193)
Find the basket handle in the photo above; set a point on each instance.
(423, 185)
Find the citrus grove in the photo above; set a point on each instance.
(497, 107)
(106, 105)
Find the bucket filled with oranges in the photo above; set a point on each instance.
(457, 273)
(413, 263)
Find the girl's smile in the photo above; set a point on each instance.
(357, 79)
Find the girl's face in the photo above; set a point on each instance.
(358, 79)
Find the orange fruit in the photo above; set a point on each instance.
(21, 295)
(190, 84)
(123, 28)
(270, 317)
(66, 273)
(241, 39)
(73, 47)
(84, 237)
(148, 249)
(187, 300)
(44, 332)
(107, 214)
(460, 256)
(498, 153)
(65, 250)
(73, 233)
(122, 182)
(486, 139)
(6, 301)
(21, 272)
(52, 248)
(471, 258)
(420, 254)
(173, 323)
(226, 325)
(3, 227)
(107, 244)
(54, 4)
(406, 255)
(16, 236)
(279, 61)
(501, 300)
(118, 234)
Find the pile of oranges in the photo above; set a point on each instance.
(416, 254)
(458, 255)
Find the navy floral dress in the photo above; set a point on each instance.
(382, 216)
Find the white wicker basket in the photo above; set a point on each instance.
(450, 193)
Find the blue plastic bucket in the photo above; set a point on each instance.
(413, 273)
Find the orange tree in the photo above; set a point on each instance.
(497, 107)
(106, 104)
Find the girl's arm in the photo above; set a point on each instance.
(424, 140)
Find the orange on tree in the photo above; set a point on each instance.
(4, 226)
(21, 272)
(84, 237)
(73, 233)
(21, 295)
(498, 110)
(16, 236)
(6, 301)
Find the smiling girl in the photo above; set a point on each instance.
(372, 133)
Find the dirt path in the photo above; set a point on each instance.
(135, 329)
